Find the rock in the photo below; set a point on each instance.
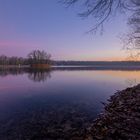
(121, 117)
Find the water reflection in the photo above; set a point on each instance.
(11, 71)
(39, 75)
(36, 75)
(63, 109)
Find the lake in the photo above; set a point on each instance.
(58, 103)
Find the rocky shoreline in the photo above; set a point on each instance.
(120, 119)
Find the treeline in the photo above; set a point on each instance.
(40, 57)
(96, 63)
(34, 57)
(14, 60)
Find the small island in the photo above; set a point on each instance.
(39, 59)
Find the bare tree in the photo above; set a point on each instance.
(39, 57)
(134, 23)
(132, 38)
(102, 10)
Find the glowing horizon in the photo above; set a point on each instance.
(29, 25)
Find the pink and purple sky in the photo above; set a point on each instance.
(26, 25)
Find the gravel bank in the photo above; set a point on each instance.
(120, 119)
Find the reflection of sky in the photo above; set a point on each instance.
(86, 89)
(59, 80)
(27, 25)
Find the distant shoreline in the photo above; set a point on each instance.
(79, 67)
(14, 66)
(96, 67)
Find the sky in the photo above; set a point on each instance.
(26, 25)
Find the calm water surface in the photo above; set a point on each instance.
(43, 103)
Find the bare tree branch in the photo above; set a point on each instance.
(102, 10)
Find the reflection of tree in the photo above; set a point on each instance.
(39, 75)
(11, 71)
(33, 74)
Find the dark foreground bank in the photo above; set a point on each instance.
(121, 117)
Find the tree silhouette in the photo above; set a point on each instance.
(39, 57)
(132, 38)
(102, 10)
(134, 23)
